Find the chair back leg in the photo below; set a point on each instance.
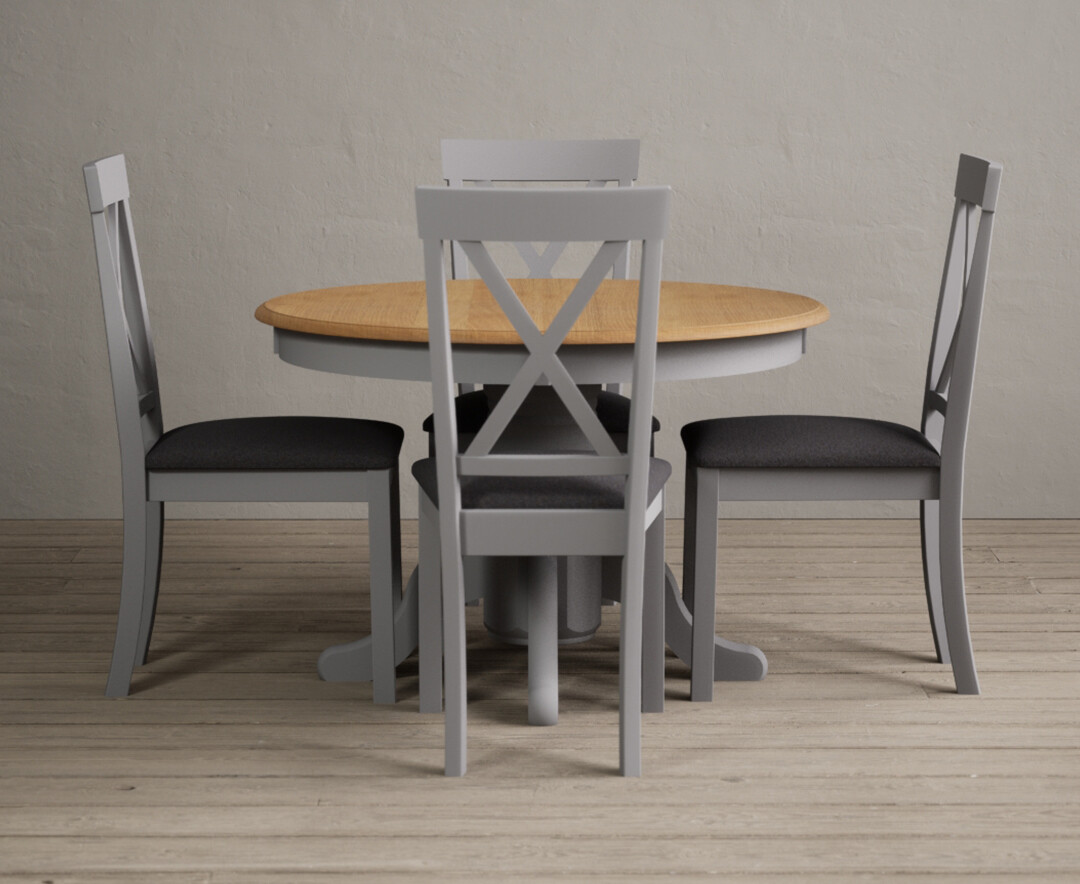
(138, 591)
(155, 532)
(929, 530)
(953, 601)
(630, 658)
(430, 604)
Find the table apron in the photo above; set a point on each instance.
(587, 364)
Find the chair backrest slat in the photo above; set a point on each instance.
(131, 348)
(477, 217)
(951, 368)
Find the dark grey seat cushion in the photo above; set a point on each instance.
(531, 492)
(806, 442)
(473, 409)
(613, 409)
(278, 443)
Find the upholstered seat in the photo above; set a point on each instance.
(799, 441)
(278, 443)
(613, 409)
(473, 408)
(540, 492)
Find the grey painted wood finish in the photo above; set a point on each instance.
(140, 426)
(474, 217)
(489, 161)
(484, 162)
(946, 406)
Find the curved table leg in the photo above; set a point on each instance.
(734, 660)
(352, 661)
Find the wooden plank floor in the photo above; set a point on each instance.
(231, 762)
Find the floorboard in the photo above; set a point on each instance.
(231, 763)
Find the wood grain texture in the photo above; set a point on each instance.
(852, 761)
(397, 312)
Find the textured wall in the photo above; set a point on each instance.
(273, 145)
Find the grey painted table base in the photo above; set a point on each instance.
(493, 365)
(352, 661)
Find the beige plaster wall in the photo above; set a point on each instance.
(273, 146)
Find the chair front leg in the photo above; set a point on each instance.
(429, 588)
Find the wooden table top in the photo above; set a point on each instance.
(398, 312)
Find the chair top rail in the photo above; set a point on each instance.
(540, 160)
(106, 182)
(579, 214)
(978, 181)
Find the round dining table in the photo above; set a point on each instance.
(380, 331)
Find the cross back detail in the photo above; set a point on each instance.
(121, 254)
(963, 280)
(474, 218)
(543, 349)
(124, 300)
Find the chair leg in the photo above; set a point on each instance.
(430, 604)
(929, 520)
(630, 663)
(453, 607)
(135, 595)
(652, 638)
(155, 525)
(954, 604)
(699, 577)
(384, 533)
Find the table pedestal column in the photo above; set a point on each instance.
(577, 583)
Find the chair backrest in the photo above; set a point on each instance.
(484, 162)
(951, 369)
(127, 328)
(475, 217)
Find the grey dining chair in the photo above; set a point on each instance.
(813, 457)
(488, 162)
(287, 458)
(598, 500)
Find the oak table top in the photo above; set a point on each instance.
(398, 312)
